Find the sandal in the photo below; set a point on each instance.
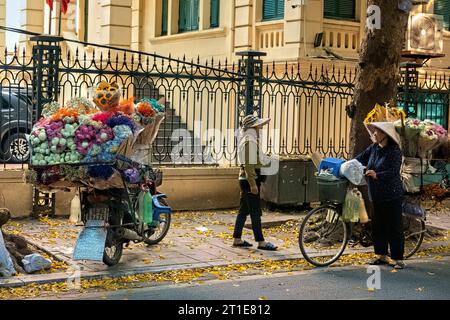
(399, 265)
(244, 244)
(378, 262)
(269, 247)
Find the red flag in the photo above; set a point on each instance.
(64, 5)
(50, 4)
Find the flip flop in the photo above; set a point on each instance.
(378, 262)
(269, 247)
(244, 244)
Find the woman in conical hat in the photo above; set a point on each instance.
(383, 160)
(249, 157)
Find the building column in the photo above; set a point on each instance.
(136, 24)
(313, 15)
(293, 30)
(2, 23)
(173, 16)
(243, 25)
(116, 27)
(205, 15)
(31, 19)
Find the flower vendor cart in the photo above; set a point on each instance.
(94, 145)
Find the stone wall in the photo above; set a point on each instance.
(187, 189)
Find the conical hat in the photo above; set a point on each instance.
(386, 127)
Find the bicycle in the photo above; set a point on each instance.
(324, 235)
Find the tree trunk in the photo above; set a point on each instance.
(378, 69)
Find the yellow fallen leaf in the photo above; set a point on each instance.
(371, 289)
(263, 298)
(394, 271)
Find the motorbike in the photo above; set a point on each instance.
(116, 217)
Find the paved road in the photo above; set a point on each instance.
(423, 279)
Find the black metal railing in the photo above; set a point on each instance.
(205, 100)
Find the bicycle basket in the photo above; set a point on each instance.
(332, 191)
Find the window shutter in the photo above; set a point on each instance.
(215, 12)
(182, 25)
(164, 17)
(195, 9)
(329, 8)
(340, 9)
(273, 9)
(347, 9)
(280, 9)
(442, 7)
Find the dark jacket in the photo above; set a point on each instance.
(386, 162)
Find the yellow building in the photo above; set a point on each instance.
(219, 28)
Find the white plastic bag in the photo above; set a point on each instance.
(6, 264)
(35, 262)
(353, 170)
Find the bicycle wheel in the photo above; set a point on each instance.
(323, 236)
(414, 230)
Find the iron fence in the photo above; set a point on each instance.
(204, 100)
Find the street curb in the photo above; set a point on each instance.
(62, 277)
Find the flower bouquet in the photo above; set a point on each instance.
(384, 114)
(149, 114)
(81, 133)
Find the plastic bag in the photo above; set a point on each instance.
(145, 210)
(6, 264)
(412, 209)
(35, 262)
(353, 170)
(350, 212)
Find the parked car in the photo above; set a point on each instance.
(16, 122)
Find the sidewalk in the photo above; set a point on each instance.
(185, 247)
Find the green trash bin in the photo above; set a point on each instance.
(332, 191)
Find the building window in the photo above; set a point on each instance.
(215, 13)
(189, 15)
(339, 9)
(165, 17)
(273, 9)
(442, 7)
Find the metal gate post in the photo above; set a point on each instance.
(250, 67)
(46, 56)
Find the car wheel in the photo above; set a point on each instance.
(16, 148)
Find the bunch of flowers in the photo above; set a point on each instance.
(85, 138)
(81, 105)
(384, 113)
(146, 111)
(66, 115)
(81, 132)
(120, 119)
(50, 109)
(420, 136)
(102, 117)
(133, 175)
(127, 106)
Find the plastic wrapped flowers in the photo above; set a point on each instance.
(421, 137)
(91, 133)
